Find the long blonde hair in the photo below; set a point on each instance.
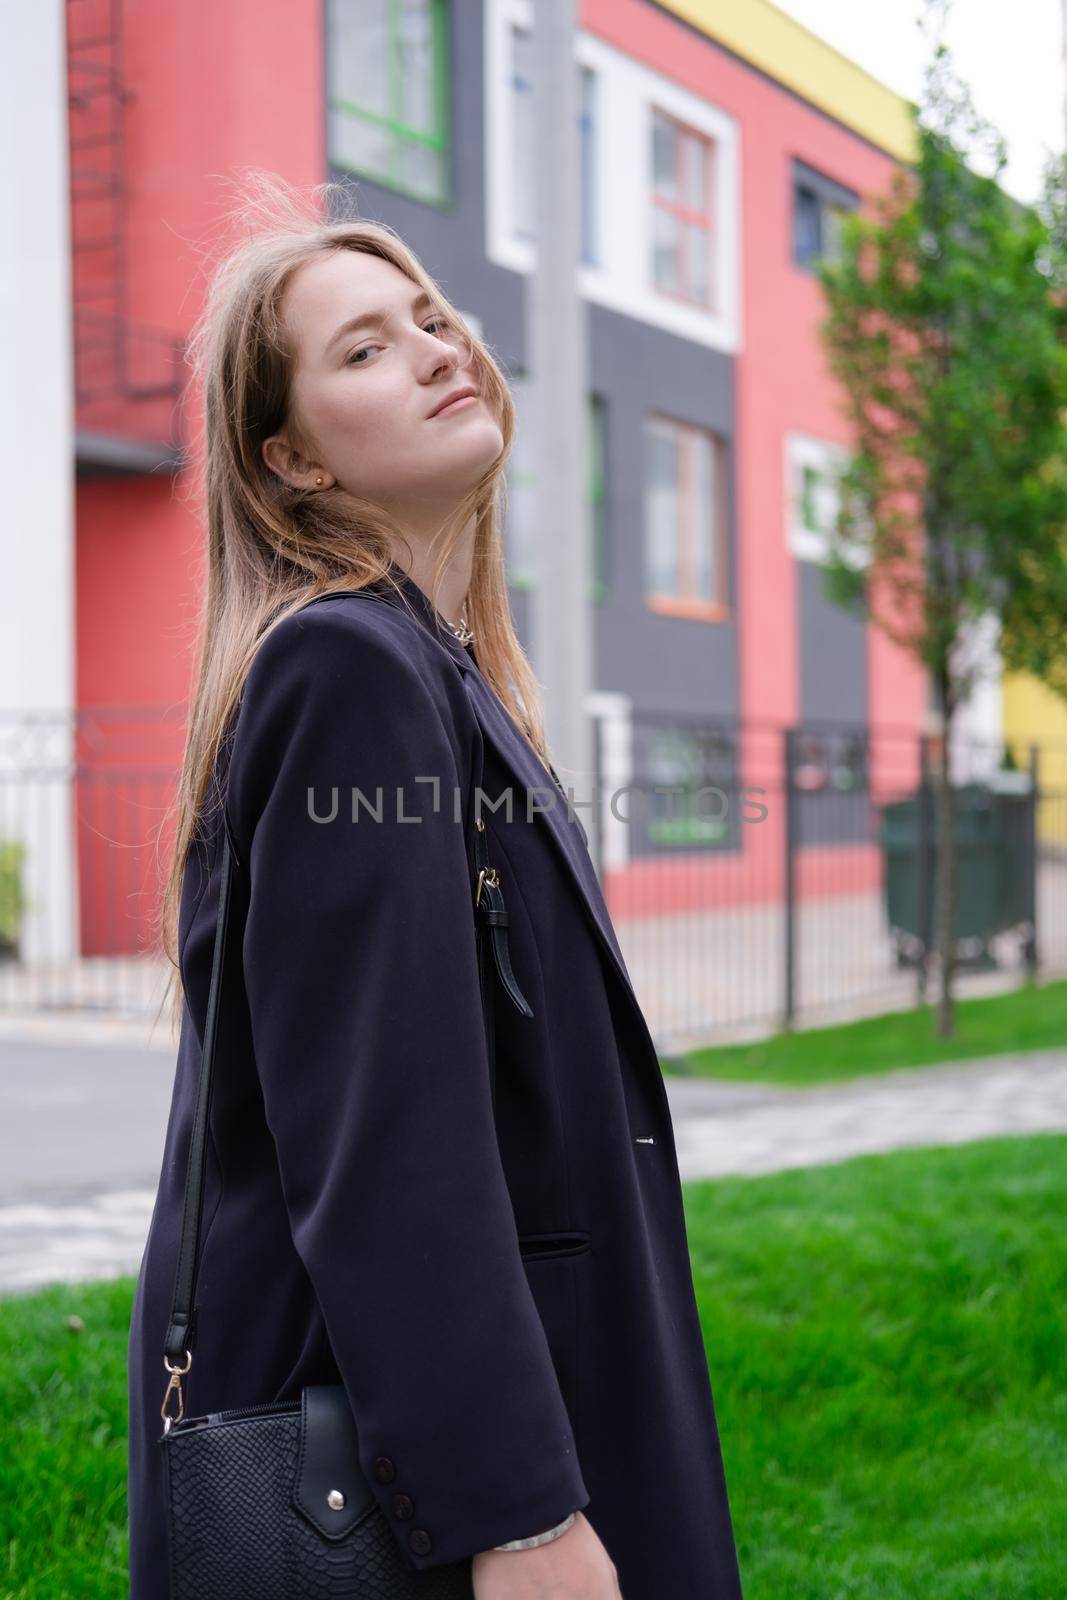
(271, 548)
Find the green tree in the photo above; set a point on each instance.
(945, 329)
(1034, 615)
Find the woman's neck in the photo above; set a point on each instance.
(455, 580)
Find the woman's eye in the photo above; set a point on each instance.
(441, 323)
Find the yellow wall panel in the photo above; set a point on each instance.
(783, 48)
(1034, 715)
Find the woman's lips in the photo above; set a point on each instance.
(457, 405)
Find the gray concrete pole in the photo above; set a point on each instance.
(558, 388)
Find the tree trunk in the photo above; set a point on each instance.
(946, 885)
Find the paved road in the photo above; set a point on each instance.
(82, 1119)
(82, 1124)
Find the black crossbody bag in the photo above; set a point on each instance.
(270, 1502)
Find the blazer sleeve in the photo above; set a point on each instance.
(361, 973)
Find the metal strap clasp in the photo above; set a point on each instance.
(174, 1387)
(488, 875)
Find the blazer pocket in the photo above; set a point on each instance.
(556, 1270)
(541, 1246)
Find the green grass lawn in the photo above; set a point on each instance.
(1031, 1018)
(886, 1345)
(63, 1462)
(885, 1339)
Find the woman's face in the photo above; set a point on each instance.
(364, 395)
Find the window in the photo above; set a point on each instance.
(700, 761)
(520, 546)
(830, 760)
(387, 93)
(830, 779)
(520, 537)
(809, 763)
(588, 122)
(597, 497)
(848, 761)
(685, 519)
(818, 207)
(813, 472)
(523, 132)
(684, 230)
(524, 140)
(682, 240)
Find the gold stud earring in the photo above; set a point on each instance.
(318, 480)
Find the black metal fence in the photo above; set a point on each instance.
(757, 875)
(84, 804)
(765, 876)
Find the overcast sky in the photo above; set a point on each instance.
(1009, 51)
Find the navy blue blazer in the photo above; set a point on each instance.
(508, 1302)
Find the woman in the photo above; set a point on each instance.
(504, 1291)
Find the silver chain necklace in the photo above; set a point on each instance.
(462, 633)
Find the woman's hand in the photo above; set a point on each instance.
(575, 1566)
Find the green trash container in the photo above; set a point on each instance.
(993, 831)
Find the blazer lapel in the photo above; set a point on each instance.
(562, 826)
(567, 839)
(567, 836)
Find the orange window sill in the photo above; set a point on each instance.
(701, 610)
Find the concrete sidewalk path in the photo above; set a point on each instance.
(732, 1128)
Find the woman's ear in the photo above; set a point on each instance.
(293, 468)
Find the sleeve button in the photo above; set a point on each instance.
(420, 1541)
(403, 1505)
(384, 1470)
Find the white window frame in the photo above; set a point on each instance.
(803, 450)
(521, 559)
(627, 90)
(718, 607)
